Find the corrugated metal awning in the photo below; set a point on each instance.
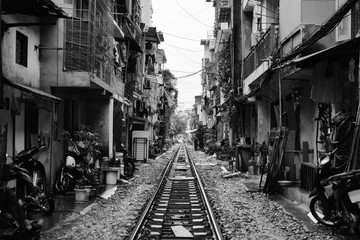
(39, 8)
(34, 91)
(339, 52)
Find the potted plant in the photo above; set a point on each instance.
(89, 145)
(83, 188)
(81, 193)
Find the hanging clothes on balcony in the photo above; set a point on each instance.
(149, 53)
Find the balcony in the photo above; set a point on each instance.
(88, 48)
(261, 51)
(224, 14)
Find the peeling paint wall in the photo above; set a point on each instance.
(263, 122)
(29, 75)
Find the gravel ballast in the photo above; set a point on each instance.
(242, 214)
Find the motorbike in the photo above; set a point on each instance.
(129, 163)
(13, 222)
(72, 170)
(336, 198)
(30, 177)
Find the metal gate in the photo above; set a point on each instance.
(140, 149)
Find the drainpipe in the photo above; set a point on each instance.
(111, 127)
(280, 102)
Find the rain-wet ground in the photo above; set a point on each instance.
(65, 205)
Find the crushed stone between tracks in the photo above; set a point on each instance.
(241, 214)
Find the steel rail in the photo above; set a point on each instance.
(214, 224)
(142, 219)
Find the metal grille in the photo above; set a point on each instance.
(308, 172)
(89, 39)
(140, 146)
(261, 51)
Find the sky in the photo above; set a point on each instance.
(184, 23)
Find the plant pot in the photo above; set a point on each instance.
(88, 190)
(118, 169)
(111, 176)
(81, 195)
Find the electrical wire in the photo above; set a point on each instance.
(178, 20)
(192, 15)
(189, 59)
(189, 39)
(189, 75)
(178, 49)
(182, 48)
(178, 71)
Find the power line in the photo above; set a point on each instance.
(178, 20)
(184, 59)
(178, 71)
(192, 15)
(189, 75)
(182, 48)
(182, 37)
(185, 55)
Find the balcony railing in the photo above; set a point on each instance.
(261, 51)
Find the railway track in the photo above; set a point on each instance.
(179, 209)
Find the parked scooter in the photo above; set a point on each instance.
(72, 170)
(13, 222)
(30, 177)
(336, 199)
(129, 163)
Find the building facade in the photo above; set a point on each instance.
(289, 64)
(68, 64)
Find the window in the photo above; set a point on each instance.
(81, 9)
(343, 29)
(21, 49)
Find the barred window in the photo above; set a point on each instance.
(21, 49)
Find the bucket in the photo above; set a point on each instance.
(87, 195)
(118, 169)
(80, 195)
(111, 176)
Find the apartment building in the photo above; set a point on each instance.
(69, 63)
(292, 63)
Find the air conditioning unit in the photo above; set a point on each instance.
(254, 38)
(224, 26)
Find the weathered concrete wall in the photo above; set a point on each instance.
(307, 123)
(29, 75)
(297, 12)
(263, 122)
(53, 73)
